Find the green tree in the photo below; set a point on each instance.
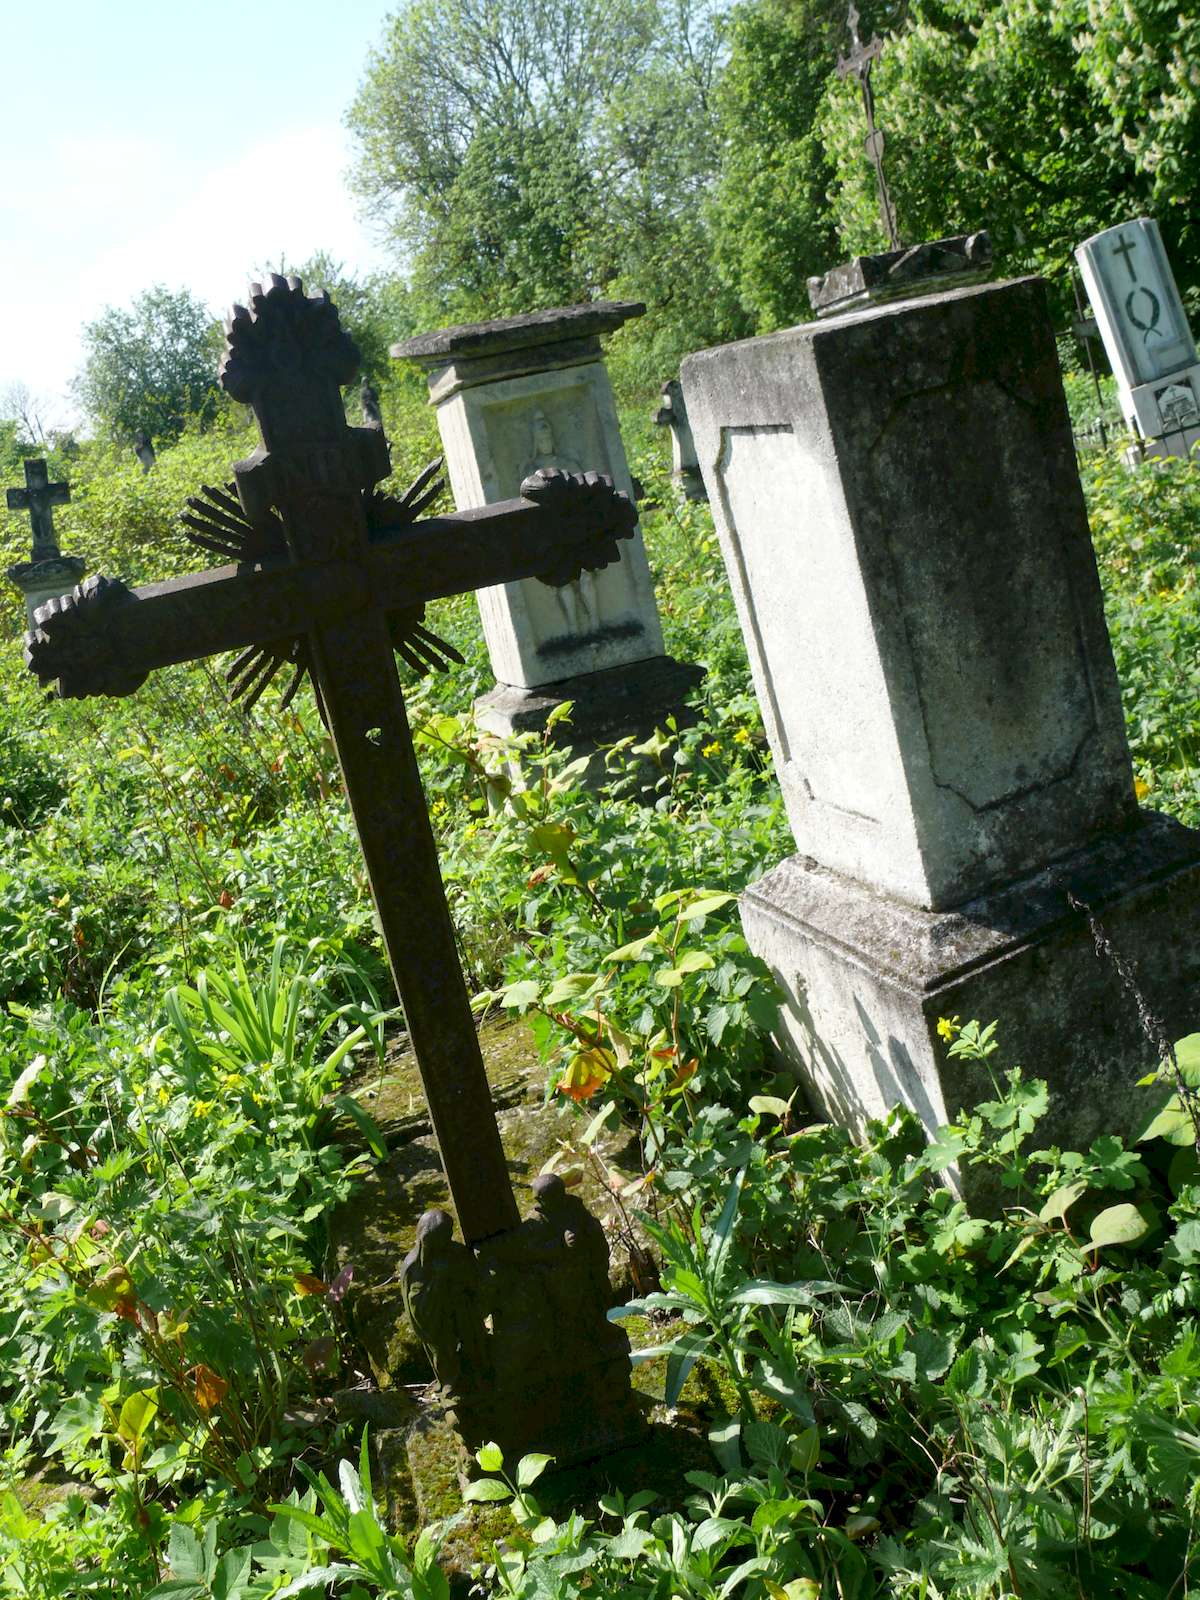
(150, 367)
(771, 219)
(525, 154)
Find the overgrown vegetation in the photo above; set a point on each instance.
(933, 1402)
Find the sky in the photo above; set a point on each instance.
(185, 143)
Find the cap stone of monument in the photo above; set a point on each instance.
(1146, 335)
(898, 504)
(512, 396)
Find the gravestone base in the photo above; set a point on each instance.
(575, 1418)
(46, 579)
(867, 977)
(1164, 415)
(607, 705)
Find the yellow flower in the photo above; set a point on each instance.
(201, 1108)
(1141, 788)
(163, 1096)
(742, 736)
(948, 1027)
(711, 749)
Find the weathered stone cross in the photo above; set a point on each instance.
(38, 497)
(329, 576)
(859, 62)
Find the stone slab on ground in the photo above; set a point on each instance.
(867, 977)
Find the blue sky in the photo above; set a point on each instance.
(184, 144)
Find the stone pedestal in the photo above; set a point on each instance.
(511, 396)
(46, 579)
(1141, 320)
(899, 508)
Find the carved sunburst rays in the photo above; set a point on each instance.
(215, 522)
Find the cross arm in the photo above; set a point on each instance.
(105, 638)
(562, 524)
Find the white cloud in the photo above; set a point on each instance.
(136, 212)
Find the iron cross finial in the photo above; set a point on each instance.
(859, 63)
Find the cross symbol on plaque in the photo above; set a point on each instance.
(1125, 249)
(858, 63)
(38, 497)
(329, 577)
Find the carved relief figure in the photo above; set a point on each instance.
(579, 600)
(441, 1285)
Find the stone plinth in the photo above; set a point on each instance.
(46, 579)
(900, 513)
(512, 396)
(866, 979)
(1141, 320)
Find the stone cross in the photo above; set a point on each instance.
(47, 573)
(859, 62)
(329, 577)
(1142, 322)
(39, 497)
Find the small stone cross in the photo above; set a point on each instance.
(859, 62)
(38, 497)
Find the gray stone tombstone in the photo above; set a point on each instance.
(685, 469)
(897, 499)
(1146, 335)
(48, 573)
(513, 396)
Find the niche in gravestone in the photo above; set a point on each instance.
(1146, 335)
(513, 396)
(896, 495)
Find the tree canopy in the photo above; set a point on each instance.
(150, 367)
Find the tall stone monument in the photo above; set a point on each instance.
(1146, 335)
(896, 495)
(514, 396)
(47, 573)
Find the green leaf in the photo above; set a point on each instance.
(1123, 1224)
(530, 1469)
(365, 1123)
(635, 950)
(770, 1105)
(762, 1292)
(520, 996)
(694, 961)
(137, 1414)
(490, 1457)
(572, 987)
(1060, 1202)
(484, 1489)
(20, 1089)
(1171, 1123)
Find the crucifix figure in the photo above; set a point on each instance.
(859, 62)
(330, 577)
(39, 497)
